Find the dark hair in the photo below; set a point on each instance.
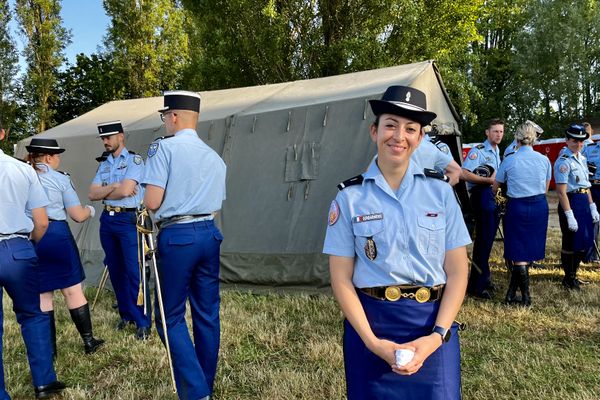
(31, 159)
(495, 121)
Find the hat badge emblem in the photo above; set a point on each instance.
(407, 97)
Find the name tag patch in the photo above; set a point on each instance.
(431, 214)
(366, 218)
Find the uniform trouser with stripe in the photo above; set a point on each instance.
(189, 270)
(18, 275)
(118, 236)
(486, 224)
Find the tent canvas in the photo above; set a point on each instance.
(286, 147)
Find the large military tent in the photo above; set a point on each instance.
(286, 147)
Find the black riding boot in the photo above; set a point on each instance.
(523, 271)
(577, 259)
(52, 332)
(513, 284)
(83, 321)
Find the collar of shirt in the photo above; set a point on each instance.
(1, 152)
(43, 166)
(123, 154)
(186, 132)
(374, 173)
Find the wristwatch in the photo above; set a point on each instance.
(443, 332)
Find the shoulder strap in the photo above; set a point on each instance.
(432, 173)
(357, 180)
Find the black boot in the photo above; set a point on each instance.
(567, 264)
(83, 322)
(523, 271)
(513, 284)
(577, 259)
(52, 332)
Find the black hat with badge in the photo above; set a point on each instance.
(44, 146)
(406, 102)
(110, 128)
(577, 132)
(181, 100)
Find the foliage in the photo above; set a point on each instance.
(147, 44)
(46, 38)
(91, 82)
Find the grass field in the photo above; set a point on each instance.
(288, 346)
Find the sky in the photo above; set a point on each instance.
(88, 24)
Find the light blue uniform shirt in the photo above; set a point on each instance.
(59, 190)
(525, 173)
(592, 154)
(192, 174)
(125, 166)
(20, 190)
(428, 155)
(571, 170)
(483, 154)
(511, 148)
(412, 229)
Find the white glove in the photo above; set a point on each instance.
(92, 210)
(571, 221)
(595, 215)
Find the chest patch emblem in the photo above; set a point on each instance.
(371, 248)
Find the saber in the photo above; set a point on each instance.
(103, 280)
(146, 227)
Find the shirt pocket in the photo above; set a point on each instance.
(105, 178)
(369, 229)
(430, 235)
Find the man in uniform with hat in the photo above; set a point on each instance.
(479, 171)
(117, 184)
(184, 185)
(22, 193)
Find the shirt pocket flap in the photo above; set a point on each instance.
(24, 254)
(431, 223)
(181, 240)
(368, 228)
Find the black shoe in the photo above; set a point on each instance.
(142, 333)
(115, 305)
(45, 391)
(83, 322)
(483, 295)
(523, 271)
(122, 324)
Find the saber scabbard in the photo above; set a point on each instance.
(101, 285)
(145, 228)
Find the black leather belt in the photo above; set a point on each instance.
(580, 190)
(179, 218)
(595, 182)
(421, 294)
(119, 209)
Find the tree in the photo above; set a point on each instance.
(8, 70)
(91, 82)
(46, 39)
(148, 44)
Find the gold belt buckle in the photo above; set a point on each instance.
(423, 294)
(393, 293)
(118, 209)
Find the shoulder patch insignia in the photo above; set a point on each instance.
(432, 173)
(357, 180)
(137, 160)
(564, 168)
(473, 155)
(334, 212)
(153, 149)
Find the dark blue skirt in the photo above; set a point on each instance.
(369, 377)
(59, 262)
(583, 238)
(525, 228)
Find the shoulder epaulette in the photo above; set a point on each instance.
(432, 173)
(163, 137)
(24, 161)
(63, 172)
(480, 146)
(564, 156)
(131, 152)
(509, 154)
(591, 144)
(357, 180)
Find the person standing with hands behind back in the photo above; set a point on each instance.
(185, 187)
(396, 243)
